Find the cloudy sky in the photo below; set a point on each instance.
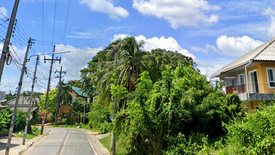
(212, 32)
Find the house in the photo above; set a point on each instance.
(252, 76)
(23, 104)
(75, 92)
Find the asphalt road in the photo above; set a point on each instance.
(63, 142)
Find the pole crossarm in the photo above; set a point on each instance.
(52, 60)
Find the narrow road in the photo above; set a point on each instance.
(63, 142)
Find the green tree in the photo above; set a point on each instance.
(79, 104)
(65, 96)
(5, 115)
(75, 83)
(10, 96)
(52, 101)
(183, 101)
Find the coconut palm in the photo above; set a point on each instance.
(65, 96)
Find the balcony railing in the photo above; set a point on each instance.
(262, 92)
(240, 89)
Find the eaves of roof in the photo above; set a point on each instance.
(264, 52)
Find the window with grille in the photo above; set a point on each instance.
(270, 77)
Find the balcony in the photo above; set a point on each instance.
(253, 96)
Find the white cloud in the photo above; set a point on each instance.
(206, 49)
(236, 46)
(199, 49)
(106, 6)
(71, 62)
(270, 29)
(179, 13)
(75, 60)
(164, 43)
(206, 67)
(3, 13)
(269, 11)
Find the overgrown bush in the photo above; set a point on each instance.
(20, 121)
(104, 127)
(72, 117)
(182, 145)
(254, 134)
(5, 118)
(183, 101)
(99, 114)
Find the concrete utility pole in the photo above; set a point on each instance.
(48, 88)
(29, 108)
(58, 93)
(5, 50)
(113, 142)
(17, 99)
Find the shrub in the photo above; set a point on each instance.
(5, 116)
(182, 145)
(104, 128)
(254, 133)
(20, 121)
(99, 114)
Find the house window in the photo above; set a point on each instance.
(270, 77)
(241, 84)
(241, 78)
(254, 85)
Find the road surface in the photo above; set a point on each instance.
(63, 142)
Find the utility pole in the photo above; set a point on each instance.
(29, 108)
(48, 88)
(58, 93)
(5, 50)
(17, 99)
(113, 142)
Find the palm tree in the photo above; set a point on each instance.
(158, 60)
(65, 96)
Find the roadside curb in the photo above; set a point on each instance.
(36, 141)
(98, 148)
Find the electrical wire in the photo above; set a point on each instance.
(43, 24)
(66, 21)
(54, 21)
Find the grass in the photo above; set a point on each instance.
(35, 133)
(106, 142)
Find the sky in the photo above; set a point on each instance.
(212, 32)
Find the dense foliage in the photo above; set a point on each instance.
(99, 114)
(52, 100)
(5, 118)
(182, 102)
(131, 61)
(254, 134)
(164, 105)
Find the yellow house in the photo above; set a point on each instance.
(252, 76)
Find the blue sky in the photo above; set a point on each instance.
(212, 32)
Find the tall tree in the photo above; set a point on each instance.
(65, 96)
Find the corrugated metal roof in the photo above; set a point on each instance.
(264, 52)
(78, 91)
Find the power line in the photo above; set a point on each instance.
(66, 21)
(54, 20)
(43, 23)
